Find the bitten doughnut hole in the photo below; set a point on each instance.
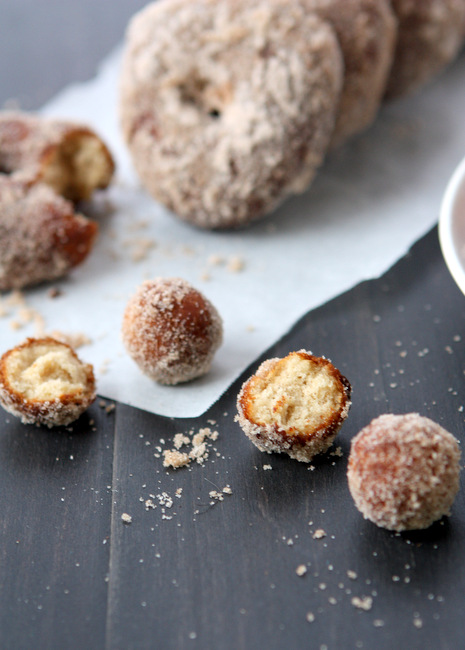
(403, 471)
(43, 381)
(171, 330)
(294, 405)
(77, 166)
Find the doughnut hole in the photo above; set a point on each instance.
(171, 330)
(294, 405)
(43, 381)
(403, 471)
(77, 166)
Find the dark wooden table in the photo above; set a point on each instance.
(205, 573)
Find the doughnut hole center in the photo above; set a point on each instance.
(198, 93)
(297, 395)
(46, 372)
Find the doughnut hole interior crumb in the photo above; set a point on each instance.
(44, 381)
(404, 471)
(76, 167)
(294, 405)
(171, 330)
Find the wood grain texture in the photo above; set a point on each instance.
(55, 504)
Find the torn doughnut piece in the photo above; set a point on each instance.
(43, 381)
(68, 157)
(171, 330)
(41, 237)
(403, 471)
(295, 405)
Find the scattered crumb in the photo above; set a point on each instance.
(265, 467)
(215, 260)
(140, 248)
(365, 602)
(378, 622)
(310, 617)
(352, 575)
(301, 570)
(227, 489)
(175, 459)
(127, 519)
(235, 264)
(54, 292)
(180, 439)
(319, 533)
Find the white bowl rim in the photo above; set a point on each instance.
(447, 216)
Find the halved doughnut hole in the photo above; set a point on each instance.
(46, 371)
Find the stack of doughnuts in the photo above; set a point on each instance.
(45, 166)
(230, 106)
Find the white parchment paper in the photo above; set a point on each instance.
(370, 202)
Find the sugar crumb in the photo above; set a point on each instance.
(365, 602)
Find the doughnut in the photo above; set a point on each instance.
(171, 330)
(68, 157)
(295, 405)
(403, 471)
(227, 107)
(367, 31)
(41, 237)
(430, 34)
(42, 381)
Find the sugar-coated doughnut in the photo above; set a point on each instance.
(43, 382)
(366, 31)
(295, 405)
(68, 157)
(430, 35)
(41, 237)
(403, 471)
(171, 330)
(228, 107)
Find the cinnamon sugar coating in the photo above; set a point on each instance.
(295, 405)
(68, 157)
(228, 107)
(43, 382)
(404, 471)
(171, 330)
(366, 31)
(430, 35)
(41, 237)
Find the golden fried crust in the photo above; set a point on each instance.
(41, 237)
(68, 157)
(171, 330)
(403, 471)
(43, 382)
(294, 405)
(430, 35)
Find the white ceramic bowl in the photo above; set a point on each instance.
(452, 225)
